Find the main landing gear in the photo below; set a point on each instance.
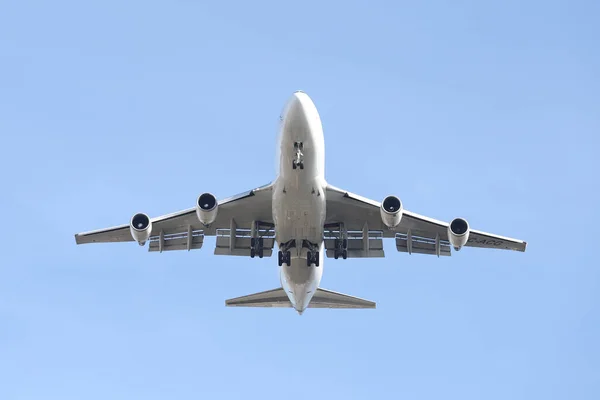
(298, 161)
(312, 256)
(341, 249)
(284, 255)
(256, 247)
(285, 258)
(257, 242)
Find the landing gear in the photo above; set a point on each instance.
(285, 258)
(341, 249)
(284, 255)
(256, 247)
(312, 255)
(298, 161)
(257, 242)
(296, 164)
(338, 232)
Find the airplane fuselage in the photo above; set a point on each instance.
(299, 198)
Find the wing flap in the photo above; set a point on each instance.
(192, 240)
(421, 245)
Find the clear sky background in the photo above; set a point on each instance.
(486, 110)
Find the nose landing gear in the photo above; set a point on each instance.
(298, 161)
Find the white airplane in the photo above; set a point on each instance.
(306, 217)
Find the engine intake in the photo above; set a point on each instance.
(391, 211)
(458, 233)
(141, 228)
(206, 208)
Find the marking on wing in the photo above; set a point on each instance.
(488, 242)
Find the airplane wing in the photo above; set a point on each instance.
(415, 233)
(182, 230)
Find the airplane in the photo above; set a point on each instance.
(306, 217)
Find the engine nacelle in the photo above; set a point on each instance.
(458, 233)
(206, 208)
(141, 228)
(391, 211)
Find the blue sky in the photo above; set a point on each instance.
(486, 111)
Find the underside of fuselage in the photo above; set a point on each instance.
(299, 200)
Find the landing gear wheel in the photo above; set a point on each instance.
(340, 248)
(256, 247)
(284, 258)
(312, 258)
(301, 165)
(340, 253)
(294, 165)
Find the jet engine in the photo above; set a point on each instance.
(391, 211)
(458, 233)
(206, 208)
(141, 228)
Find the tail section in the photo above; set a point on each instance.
(269, 298)
(323, 298)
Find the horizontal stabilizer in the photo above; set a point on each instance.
(270, 298)
(322, 299)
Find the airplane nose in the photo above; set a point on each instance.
(300, 96)
(295, 108)
(297, 98)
